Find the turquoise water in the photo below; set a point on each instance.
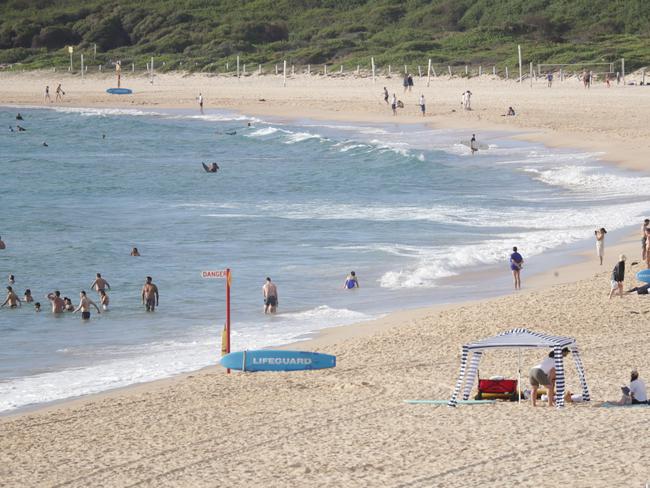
(305, 202)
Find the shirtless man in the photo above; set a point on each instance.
(100, 284)
(150, 295)
(84, 306)
(12, 299)
(57, 302)
(270, 292)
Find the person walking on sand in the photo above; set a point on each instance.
(351, 281)
(549, 79)
(600, 243)
(409, 81)
(2, 244)
(423, 107)
(386, 95)
(544, 375)
(618, 276)
(393, 104)
(84, 306)
(12, 299)
(58, 304)
(270, 293)
(100, 284)
(200, 99)
(150, 295)
(47, 94)
(516, 263)
(468, 100)
(59, 93)
(405, 82)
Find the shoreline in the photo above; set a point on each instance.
(578, 267)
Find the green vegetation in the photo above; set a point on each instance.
(204, 34)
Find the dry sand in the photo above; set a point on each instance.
(349, 426)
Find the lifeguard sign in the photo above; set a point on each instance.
(222, 274)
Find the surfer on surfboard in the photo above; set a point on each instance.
(213, 168)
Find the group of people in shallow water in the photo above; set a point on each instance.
(149, 296)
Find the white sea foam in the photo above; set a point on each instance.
(295, 137)
(263, 132)
(103, 112)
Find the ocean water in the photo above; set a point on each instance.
(408, 208)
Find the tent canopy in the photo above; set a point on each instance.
(518, 338)
(521, 338)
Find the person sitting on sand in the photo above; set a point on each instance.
(544, 375)
(28, 296)
(618, 276)
(351, 281)
(640, 290)
(12, 299)
(636, 393)
(510, 112)
(600, 243)
(135, 252)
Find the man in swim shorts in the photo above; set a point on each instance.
(150, 295)
(12, 299)
(84, 306)
(544, 375)
(516, 263)
(270, 292)
(100, 284)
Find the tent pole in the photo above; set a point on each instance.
(518, 375)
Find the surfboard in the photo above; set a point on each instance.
(643, 275)
(277, 360)
(119, 91)
(468, 143)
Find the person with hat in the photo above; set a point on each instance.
(618, 276)
(636, 393)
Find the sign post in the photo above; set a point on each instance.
(221, 274)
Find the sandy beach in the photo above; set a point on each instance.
(349, 426)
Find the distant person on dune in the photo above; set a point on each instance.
(423, 107)
(516, 263)
(47, 94)
(393, 104)
(386, 95)
(405, 82)
(549, 79)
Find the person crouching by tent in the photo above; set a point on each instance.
(544, 375)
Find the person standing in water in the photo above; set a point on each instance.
(100, 284)
(351, 281)
(473, 145)
(12, 299)
(150, 295)
(135, 252)
(84, 306)
(2, 244)
(58, 304)
(600, 243)
(270, 292)
(516, 263)
(200, 99)
(104, 300)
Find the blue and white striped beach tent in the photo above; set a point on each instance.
(518, 339)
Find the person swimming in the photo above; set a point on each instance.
(19, 117)
(20, 129)
(213, 168)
